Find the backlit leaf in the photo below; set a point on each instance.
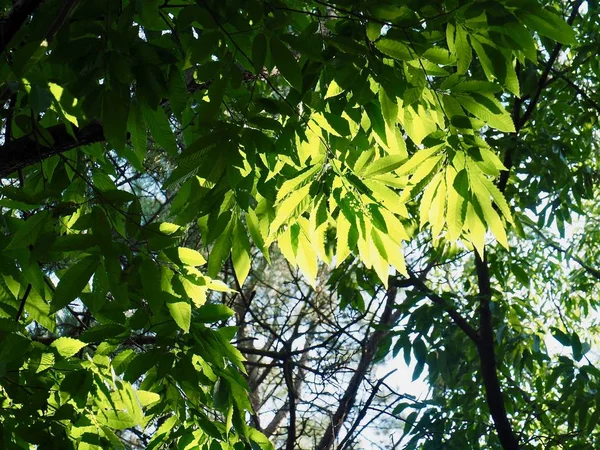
(67, 346)
(240, 252)
(181, 312)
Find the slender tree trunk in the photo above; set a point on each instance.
(487, 358)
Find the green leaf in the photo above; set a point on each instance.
(374, 30)
(560, 336)
(259, 52)
(476, 226)
(464, 54)
(292, 184)
(220, 251)
(240, 252)
(483, 198)
(576, 347)
(73, 282)
(395, 49)
(67, 346)
(418, 123)
(28, 231)
(178, 93)
(100, 333)
(161, 130)
(387, 197)
(342, 249)
(438, 55)
(548, 24)
(13, 347)
(211, 313)
(115, 112)
(257, 236)
(138, 134)
(498, 198)
(259, 440)
(389, 108)
(425, 169)
(427, 199)
(437, 216)
(286, 63)
(479, 105)
(181, 312)
(476, 86)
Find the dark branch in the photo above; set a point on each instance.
(519, 120)
(388, 318)
(544, 76)
(456, 317)
(25, 151)
(22, 305)
(346, 442)
(12, 23)
(487, 359)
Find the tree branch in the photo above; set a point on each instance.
(12, 23)
(544, 76)
(487, 359)
(25, 151)
(22, 305)
(456, 317)
(589, 269)
(346, 442)
(370, 348)
(519, 120)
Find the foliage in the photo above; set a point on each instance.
(442, 150)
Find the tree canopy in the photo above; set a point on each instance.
(190, 187)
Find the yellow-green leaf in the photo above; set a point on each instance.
(240, 252)
(306, 257)
(292, 184)
(190, 257)
(384, 164)
(457, 187)
(287, 207)
(181, 312)
(425, 169)
(427, 199)
(497, 117)
(342, 249)
(437, 209)
(333, 90)
(476, 227)
(67, 346)
(498, 199)
(387, 197)
(417, 159)
(379, 257)
(394, 253)
(463, 50)
(418, 123)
